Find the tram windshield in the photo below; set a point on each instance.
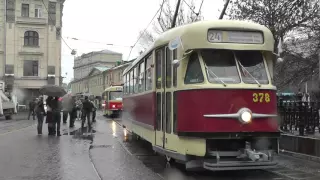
(222, 66)
(252, 67)
(115, 95)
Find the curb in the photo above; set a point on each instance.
(299, 155)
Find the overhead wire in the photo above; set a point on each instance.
(159, 18)
(200, 8)
(97, 42)
(55, 25)
(144, 30)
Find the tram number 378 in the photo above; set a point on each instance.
(261, 97)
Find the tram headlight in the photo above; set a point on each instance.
(245, 116)
(113, 106)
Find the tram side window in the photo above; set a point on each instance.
(136, 79)
(159, 106)
(159, 68)
(131, 82)
(127, 84)
(194, 73)
(168, 67)
(168, 112)
(174, 57)
(141, 77)
(149, 73)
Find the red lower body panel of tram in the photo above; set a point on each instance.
(194, 105)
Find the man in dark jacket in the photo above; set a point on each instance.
(87, 108)
(56, 113)
(32, 105)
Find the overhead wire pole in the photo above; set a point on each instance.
(224, 9)
(173, 24)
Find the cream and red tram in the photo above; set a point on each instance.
(112, 101)
(203, 96)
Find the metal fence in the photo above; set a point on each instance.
(299, 116)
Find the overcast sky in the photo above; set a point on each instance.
(97, 23)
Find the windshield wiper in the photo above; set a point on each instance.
(243, 68)
(209, 70)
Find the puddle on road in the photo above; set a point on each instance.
(81, 133)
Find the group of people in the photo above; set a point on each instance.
(69, 107)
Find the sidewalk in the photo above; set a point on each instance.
(111, 160)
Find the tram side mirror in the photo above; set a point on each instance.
(176, 63)
(280, 50)
(280, 59)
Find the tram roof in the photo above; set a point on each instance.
(190, 38)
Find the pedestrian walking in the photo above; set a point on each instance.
(32, 105)
(40, 112)
(66, 109)
(72, 111)
(79, 109)
(87, 108)
(49, 117)
(94, 111)
(56, 114)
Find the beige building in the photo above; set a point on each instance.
(99, 79)
(30, 50)
(85, 63)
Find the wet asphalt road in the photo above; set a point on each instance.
(26, 156)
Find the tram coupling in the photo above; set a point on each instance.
(253, 155)
(242, 159)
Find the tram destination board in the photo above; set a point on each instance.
(242, 37)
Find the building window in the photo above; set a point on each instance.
(31, 38)
(38, 11)
(30, 68)
(25, 10)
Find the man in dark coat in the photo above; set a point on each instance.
(56, 112)
(87, 108)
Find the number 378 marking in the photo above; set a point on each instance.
(261, 97)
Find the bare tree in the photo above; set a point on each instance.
(187, 14)
(294, 22)
(280, 16)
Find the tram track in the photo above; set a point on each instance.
(143, 151)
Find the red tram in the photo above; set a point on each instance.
(203, 96)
